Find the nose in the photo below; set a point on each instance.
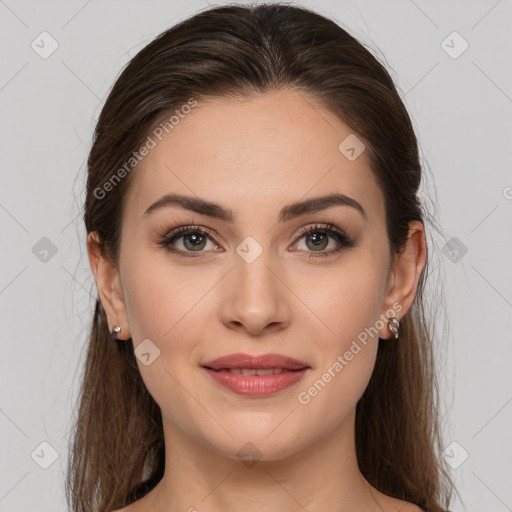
(254, 297)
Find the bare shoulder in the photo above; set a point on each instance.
(395, 505)
(410, 507)
(141, 505)
(404, 506)
(129, 508)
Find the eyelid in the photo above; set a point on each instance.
(326, 226)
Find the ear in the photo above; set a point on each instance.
(404, 275)
(108, 283)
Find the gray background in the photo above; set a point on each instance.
(462, 110)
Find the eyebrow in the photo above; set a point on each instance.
(287, 213)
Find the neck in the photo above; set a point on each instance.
(322, 476)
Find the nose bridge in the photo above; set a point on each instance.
(254, 294)
(252, 271)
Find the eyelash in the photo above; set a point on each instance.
(326, 229)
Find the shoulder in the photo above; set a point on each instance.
(128, 508)
(140, 505)
(394, 504)
(143, 504)
(406, 506)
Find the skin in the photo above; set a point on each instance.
(254, 156)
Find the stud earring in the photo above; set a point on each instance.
(393, 325)
(115, 331)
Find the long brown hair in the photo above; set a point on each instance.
(117, 455)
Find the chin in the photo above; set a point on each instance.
(249, 449)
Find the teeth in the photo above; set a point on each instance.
(253, 371)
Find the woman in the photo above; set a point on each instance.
(259, 341)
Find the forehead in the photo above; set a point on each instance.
(260, 151)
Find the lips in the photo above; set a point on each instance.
(257, 362)
(256, 376)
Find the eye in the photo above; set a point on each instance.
(318, 237)
(194, 239)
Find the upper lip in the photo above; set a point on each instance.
(257, 362)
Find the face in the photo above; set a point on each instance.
(309, 284)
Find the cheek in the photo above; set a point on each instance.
(346, 357)
(170, 309)
(342, 302)
(343, 310)
(161, 299)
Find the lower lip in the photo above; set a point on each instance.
(256, 385)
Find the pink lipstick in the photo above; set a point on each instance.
(257, 375)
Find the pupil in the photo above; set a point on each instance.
(317, 239)
(196, 240)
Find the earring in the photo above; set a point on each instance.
(115, 331)
(393, 325)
